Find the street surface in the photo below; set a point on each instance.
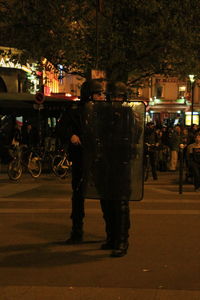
(163, 261)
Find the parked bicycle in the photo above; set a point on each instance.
(46, 160)
(24, 159)
(61, 164)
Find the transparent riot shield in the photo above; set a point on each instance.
(113, 134)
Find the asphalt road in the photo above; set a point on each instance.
(164, 252)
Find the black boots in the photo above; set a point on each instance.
(108, 245)
(117, 219)
(120, 250)
(76, 236)
(77, 214)
(117, 251)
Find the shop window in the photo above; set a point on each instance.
(188, 118)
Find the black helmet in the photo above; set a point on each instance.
(96, 86)
(116, 89)
(89, 88)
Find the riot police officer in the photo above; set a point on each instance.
(116, 170)
(72, 133)
(108, 142)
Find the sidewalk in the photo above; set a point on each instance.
(98, 293)
(162, 262)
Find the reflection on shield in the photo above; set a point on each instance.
(113, 149)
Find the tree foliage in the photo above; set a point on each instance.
(128, 38)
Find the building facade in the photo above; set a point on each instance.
(170, 100)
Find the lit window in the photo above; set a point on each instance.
(158, 91)
(181, 91)
(188, 118)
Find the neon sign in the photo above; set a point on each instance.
(9, 64)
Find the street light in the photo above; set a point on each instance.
(192, 80)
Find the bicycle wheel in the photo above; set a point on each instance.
(34, 166)
(60, 166)
(14, 170)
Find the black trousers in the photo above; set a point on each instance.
(152, 158)
(195, 168)
(117, 220)
(77, 212)
(114, 186)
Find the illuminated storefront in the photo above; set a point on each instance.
(49, 78)
(17, 77)
(174, 112)
(169, 100)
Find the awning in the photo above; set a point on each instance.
(167, 108)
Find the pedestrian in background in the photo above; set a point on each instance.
(192, 132)
(30, 136)
(193, 154)
(175, 139)
(151, 144)
(17, 134)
